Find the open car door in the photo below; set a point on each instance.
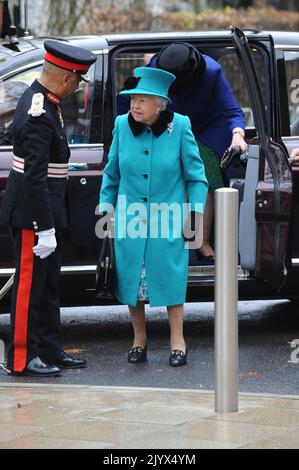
(265, 211)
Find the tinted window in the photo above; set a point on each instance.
(292, 83)
(231, 68)
(125, 63)
(76, 109)
(229, 61)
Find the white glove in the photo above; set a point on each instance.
(46, 243)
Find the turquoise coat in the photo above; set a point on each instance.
(147, 170)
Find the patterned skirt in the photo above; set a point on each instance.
(142, 290)
(212, 167)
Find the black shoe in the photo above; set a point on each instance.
(68, 362)
(37, 368)
(137, 354)
(205, 260)
(177, 358)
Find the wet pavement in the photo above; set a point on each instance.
(112, 404)
(89, 417)
(267, 361)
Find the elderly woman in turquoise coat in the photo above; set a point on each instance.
(154, 184)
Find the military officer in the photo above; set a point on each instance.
(35, 207)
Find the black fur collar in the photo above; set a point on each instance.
(158, 127)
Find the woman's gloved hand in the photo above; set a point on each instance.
(193, 230)
(46, 243)
(189, 229)
(106, 223)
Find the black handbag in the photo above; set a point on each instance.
(106, 274)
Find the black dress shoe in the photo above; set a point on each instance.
(37, 368)
(177, 358)
(137, 354)
(68, 362)
(208, 260)
(205, 260)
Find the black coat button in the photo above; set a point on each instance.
(145, 176)
(145, 199)
(146, 152)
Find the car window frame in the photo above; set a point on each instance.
(283, 90)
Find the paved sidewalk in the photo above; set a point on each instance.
(36, 416)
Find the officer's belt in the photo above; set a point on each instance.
(55, 170)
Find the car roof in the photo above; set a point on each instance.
(279, 37)
(31, 48)
(94, 42)
(26, 44)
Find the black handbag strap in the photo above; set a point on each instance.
(105, 274)
(111, 248)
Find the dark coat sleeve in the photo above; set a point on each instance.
(37, 137)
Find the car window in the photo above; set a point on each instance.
(76, 109)
(229, 62)
(231, 68)
(292, 83)
(125, 63)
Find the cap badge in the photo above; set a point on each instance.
(37, 105)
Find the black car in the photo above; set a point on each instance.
(262, 69)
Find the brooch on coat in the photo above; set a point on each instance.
(170, 128)
(37, 105)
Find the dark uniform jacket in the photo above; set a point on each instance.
(33, 200)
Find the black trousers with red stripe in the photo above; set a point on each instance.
(35, 314)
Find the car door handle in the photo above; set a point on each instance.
(77, 166)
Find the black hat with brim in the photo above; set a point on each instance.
(181, 59)
(68, 57)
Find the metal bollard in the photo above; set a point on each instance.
(226, 301)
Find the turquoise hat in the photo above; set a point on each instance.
(151, 81)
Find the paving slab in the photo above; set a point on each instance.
(49, 416)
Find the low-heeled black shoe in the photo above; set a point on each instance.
(205, 260)
(177, 358)
(209, 260)
(137, 354)
(38, 368)
(68, 362)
